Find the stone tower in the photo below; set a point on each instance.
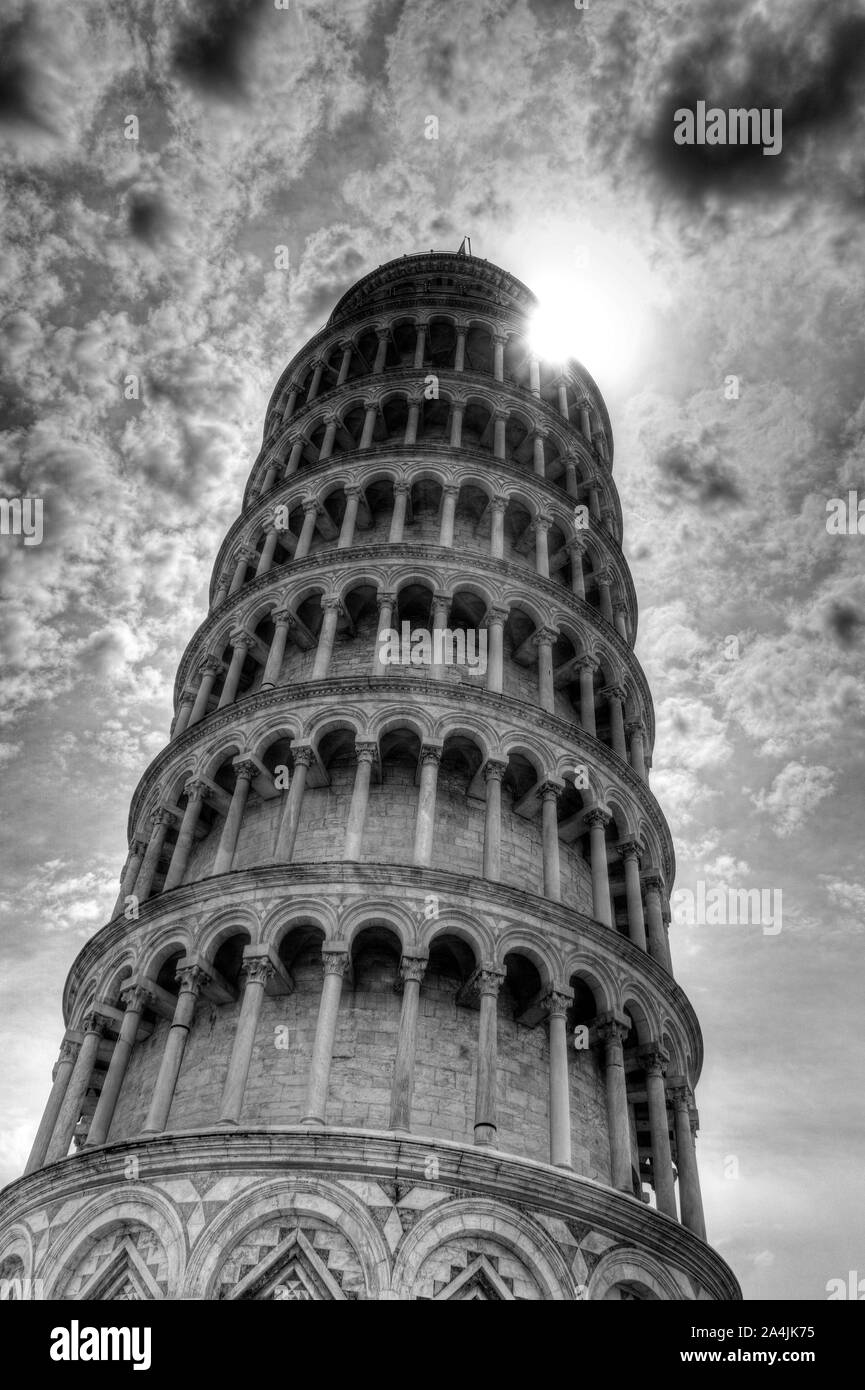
(385, 1009)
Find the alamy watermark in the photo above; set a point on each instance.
(441, 647)
(22, 516)
(738, 126)
(723, 907)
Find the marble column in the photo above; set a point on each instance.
(556, 1004)
(498, 506)
(426, 804)
(195, 800)
(571, 486)
(615, 704)
(366, 755)
(208, 668)
(287, 833)
(268, 550)
(448, 514)
(577, 550)
(659, 946)
(496, 618)
(317, 370)
(257, 970)
(411, 424)
(295, 455)
(246, 557)
(240, 644)
(290, 403)
(597, 821)
(367, 434)
(499, 340)
(246, 771)
(345, 364)
(419, 346)
(587, 666)
(135, 999)
(411, 972)
(654, 1061)
(400, 504)
(456, 433)
(326, 637)
(163, 820)
(440, 611)
(76, 1090)
(383, 336)
(543, 640)
(637, 731)
(335, 968)
(538, 460)
(690, 1199)
(611, 1030)
(269, 478)
(349, 520)
(494, 771)
(283, 621)
(606, 604)
(630, 853)
(500, 421)
(184, 710)
(310, 519)
(487, 982)
(63, 1070)
(190, 978)
(562, 396)
(535, 376)
(385, 604)
(620, 618)
(549, 793)
(130, 874)
(460, 351)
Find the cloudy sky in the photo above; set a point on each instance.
(679, 267)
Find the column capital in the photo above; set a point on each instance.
(498, 504)
(191, 978)
(577, 545)
(195, 789)
(635, 726)
(353, 490)
(542, 522)
(540, 432)
(208, 665)
(187, 698)
(303, 755)
(603, 576)
(69, 1050)
(162, 816)
(611, 1027)
(652, 882)
(587, 663)
(431, 753)
(330, 603)
(137, 845)
(93, 1022)
(630, 849)
(283, 617)
(680, 1093)
(366, 752)
(620, 606)
(557, 1003)
(597, 817)
(413, 968)
(545, 635)
(451, 490)
(550, 790)
(494, 770)
(136, 997)
(496, 614)
(383, 333)
(335, 962)
(257, 970)
(247, 553)
(499, 336)
(614, 692)
(653, 1058)
(240, 638)
(488, 980)
(246, 768)
(310, 504)
(501, 413)
(385, 598)
(401, 487)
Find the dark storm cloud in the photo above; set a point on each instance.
(811, 68)
(845, 623)
(148, 217)
(212, 47)
(20, 75)
(693, 477)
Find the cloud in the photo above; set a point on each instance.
(795, 794)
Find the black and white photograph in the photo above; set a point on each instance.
(432, 578)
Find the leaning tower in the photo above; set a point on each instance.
(385, 1008)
